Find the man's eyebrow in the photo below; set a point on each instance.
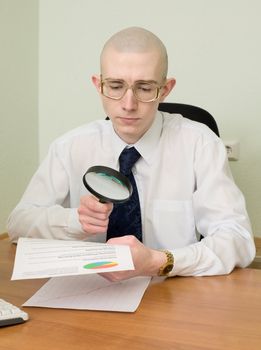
(140, 81)
(146, 81)
(114, 79)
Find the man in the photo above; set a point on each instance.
(182, 176)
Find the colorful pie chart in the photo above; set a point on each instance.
(100, 265)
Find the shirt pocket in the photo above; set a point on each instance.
(173, 223)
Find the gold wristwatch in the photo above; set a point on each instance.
(168, 265)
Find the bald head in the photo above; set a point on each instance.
(137, 40)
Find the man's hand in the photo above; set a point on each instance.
(146, 261)
(94, 215)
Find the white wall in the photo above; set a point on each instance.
(18, 100)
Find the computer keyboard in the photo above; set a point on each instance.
(11, 314)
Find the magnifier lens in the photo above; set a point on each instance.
(107, 184)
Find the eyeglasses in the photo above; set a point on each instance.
(144, 91)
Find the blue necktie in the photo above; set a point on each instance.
(125, 218)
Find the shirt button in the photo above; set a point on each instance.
(134, 171)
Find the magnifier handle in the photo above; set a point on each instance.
(103, 201)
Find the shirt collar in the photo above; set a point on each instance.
(147, 145)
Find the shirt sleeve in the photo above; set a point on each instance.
(43, 210)
(220, 216)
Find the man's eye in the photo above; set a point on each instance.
(145, 87)
(115, 87)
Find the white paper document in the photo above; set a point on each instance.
(90, 292)
(41, 258)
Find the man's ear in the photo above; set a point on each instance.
(97, 82)
(169, 85)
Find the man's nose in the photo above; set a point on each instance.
(129, 101)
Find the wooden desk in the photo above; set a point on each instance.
(222, 312)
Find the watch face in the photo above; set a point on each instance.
(167, 269)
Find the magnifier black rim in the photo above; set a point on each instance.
(110, 172)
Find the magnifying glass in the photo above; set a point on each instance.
(107, 184)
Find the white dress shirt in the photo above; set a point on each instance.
(184, 184)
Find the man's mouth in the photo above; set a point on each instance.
(128, 120)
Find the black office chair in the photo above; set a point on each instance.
(191, 112)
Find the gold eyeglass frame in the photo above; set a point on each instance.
(158, 87)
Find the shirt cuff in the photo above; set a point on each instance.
(74, 225)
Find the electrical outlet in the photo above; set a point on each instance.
(232, 148)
